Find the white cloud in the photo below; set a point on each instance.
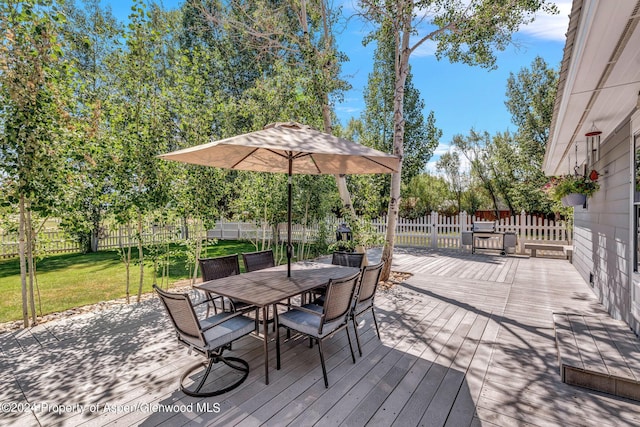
(428, 48)
(431, 168)
(441, 149)
(550, 27)
(348, 109)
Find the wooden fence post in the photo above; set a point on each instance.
(434, 229)
(522, 230)
(462, 223)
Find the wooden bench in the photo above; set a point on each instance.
(599, 353)
(567, 250)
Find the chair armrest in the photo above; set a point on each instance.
(230, 316)
(208, 300)
(297, 307)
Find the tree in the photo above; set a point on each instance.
(449, 164)
(463, 32)
(92, 35)
(34, 121)
(299, 38)
(425, 193)
(420, 138)
(475, 148)
(141, 120)
(530, 99)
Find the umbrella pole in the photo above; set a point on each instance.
(289, 245)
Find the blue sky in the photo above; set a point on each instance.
(462, 97)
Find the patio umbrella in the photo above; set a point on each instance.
(290, 148)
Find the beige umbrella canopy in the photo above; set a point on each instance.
(273, 148)
(290, 148)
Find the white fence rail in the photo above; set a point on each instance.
(440, 231)
(433, 231)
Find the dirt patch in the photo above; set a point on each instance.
(395, 278)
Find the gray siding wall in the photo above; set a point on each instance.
(603, 246)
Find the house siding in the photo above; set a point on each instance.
(602, 239)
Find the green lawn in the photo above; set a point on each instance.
(73, 280)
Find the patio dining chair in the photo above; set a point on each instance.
(209, 337)
(321, 322)
(254, 261)
(218, 268)
(363, 301)
(347, 259)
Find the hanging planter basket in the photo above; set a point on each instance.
(574, 199)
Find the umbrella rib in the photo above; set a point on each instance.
(310, 155)
(378, 163)
(244, 158)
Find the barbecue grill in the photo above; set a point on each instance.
(484, 231)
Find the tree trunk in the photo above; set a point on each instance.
(140, 256)
(23, 263)
(402, 70)
(94, 240)
(30, 263)
(198, 252)
(126, 258)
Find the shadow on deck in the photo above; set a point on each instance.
(468, 340)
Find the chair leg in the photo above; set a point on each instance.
(204, 376)
(277, 326)
(239, 365)
(274, 308)
(355, 328)
(324, 369)
(353, 357)
(375, 322)
(257, 324)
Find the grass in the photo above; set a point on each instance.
(72, 280)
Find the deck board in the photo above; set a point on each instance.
(468, 340)
(599, 353)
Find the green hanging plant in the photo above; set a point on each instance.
(559, 187)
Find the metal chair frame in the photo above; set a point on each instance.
(347, 259)
(218, 268)
(254, 261)
(364, 298)
(191, 333)
(335, 312)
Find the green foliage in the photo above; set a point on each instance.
(421, 136)
(470, 33)
(508, 166)
(424, 194)
(34, 94)
(560, 186)
(449, 164)
(531, 97)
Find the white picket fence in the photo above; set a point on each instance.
(440, 231)
(433, 231)
(49, 241)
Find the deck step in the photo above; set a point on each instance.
(599, 353)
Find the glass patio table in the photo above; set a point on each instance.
(266, 287)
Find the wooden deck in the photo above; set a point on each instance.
(599, 353)
(468, 340)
